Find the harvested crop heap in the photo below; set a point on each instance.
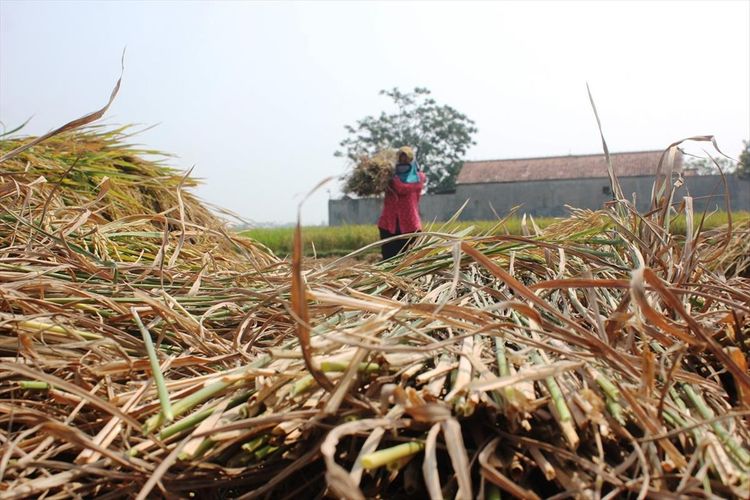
(603, 356)
(371, 174)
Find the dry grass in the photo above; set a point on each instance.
(371, 174)
(600, 357)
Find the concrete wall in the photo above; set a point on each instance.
(544, 198)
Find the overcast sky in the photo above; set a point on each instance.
(256, 95)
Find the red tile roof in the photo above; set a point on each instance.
(638, 163)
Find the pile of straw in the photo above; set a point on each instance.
(149, 355)
(94, 190)
(371, 174)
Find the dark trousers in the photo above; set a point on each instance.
(395, 247)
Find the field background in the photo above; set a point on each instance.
(327, 241)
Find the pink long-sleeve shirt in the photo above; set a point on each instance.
(401, 206)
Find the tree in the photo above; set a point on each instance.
(709, 166)
(439, 134)
(743, 167)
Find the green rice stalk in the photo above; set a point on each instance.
(735, 449)
(200, 396)
(33, 385)
(388, 455)
(166, 406)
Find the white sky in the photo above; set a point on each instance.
(256, 95)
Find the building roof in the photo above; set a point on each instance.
(637, 163)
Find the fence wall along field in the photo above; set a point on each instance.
(147, 352)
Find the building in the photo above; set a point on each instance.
(545, 186)
(555, 168)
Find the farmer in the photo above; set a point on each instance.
(401, 204)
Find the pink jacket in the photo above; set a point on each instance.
(401, 206)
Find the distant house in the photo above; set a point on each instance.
(555, 168)
(545, 186)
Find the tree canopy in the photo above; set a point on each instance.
(743, 167)
(712, 165)
(709, 166)
(440, 134)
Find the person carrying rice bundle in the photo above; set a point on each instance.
(400, 213)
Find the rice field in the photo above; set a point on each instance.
(148, 352)
(326, 241)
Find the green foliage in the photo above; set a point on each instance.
(440, 134)
(710, 166)
(317, 240)
(743, 167)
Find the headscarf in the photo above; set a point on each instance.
(408, 176)
(409, 152)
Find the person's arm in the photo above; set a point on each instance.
(404, 188)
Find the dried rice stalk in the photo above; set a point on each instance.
(486, 351)
(371, 174)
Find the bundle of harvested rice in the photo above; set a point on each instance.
(371, 174)
(602, 357)
(92, 189)
(81, 165)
